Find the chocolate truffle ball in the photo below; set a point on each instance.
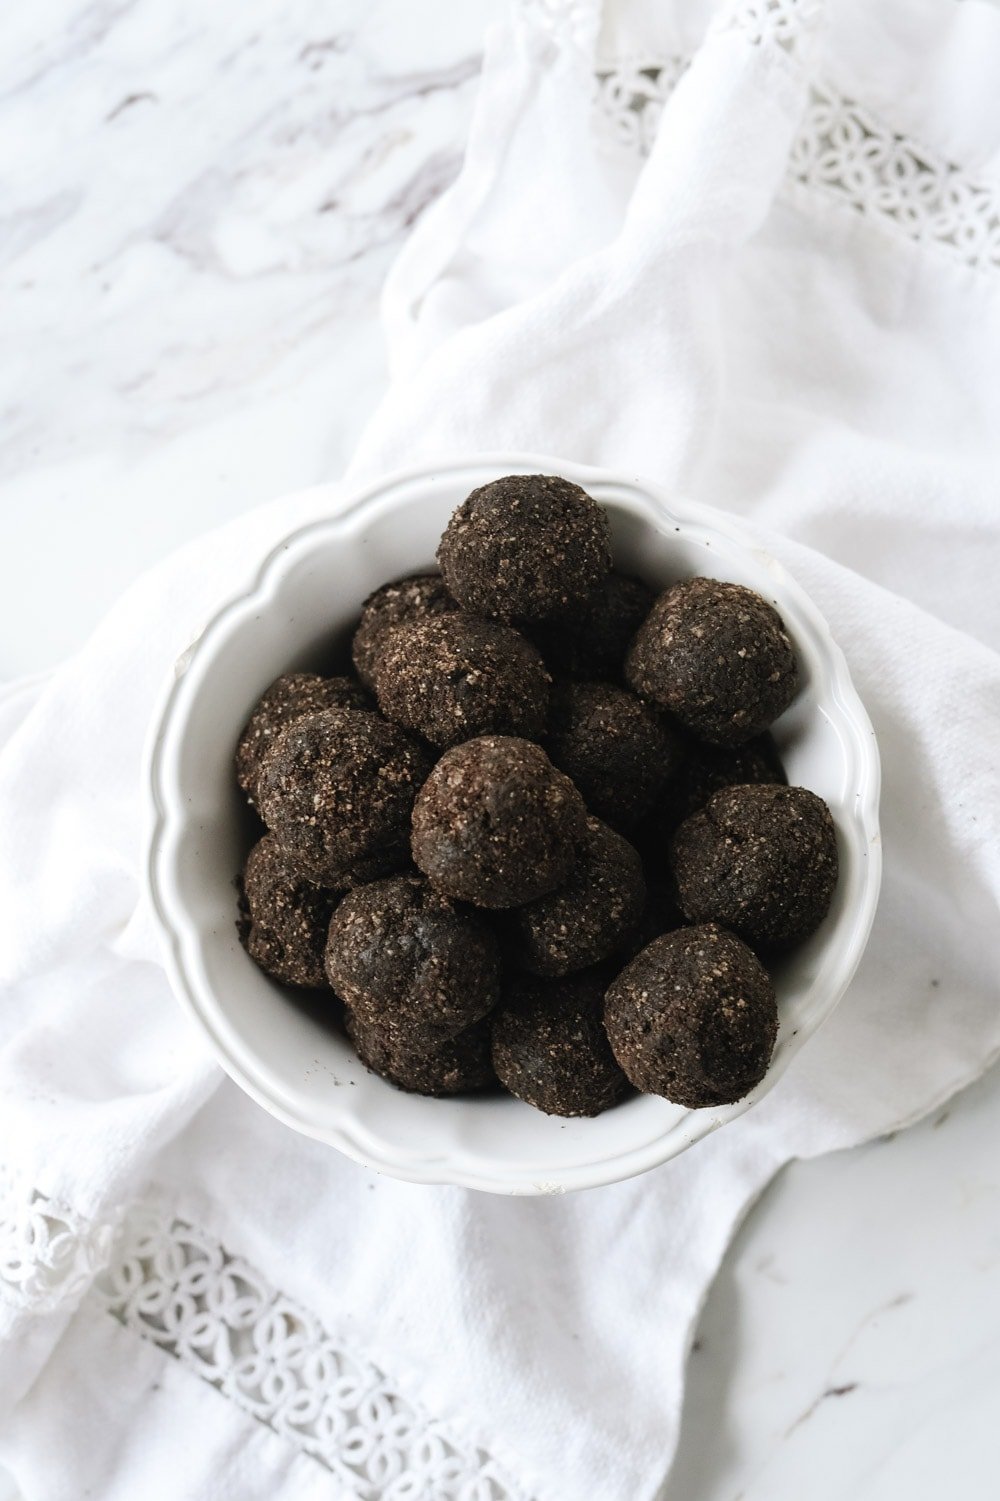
(454, 676)
(616, 750)
(283, 917)
(393, 605)
(336, 789)
(693, 1018)
(661, 914)
(410, 962)
(717, 656)
(525, 548)
(459, 1065)
(550, 1048)
(287, 699)
(761, 861)
(585, 919)
(496, 824)
(593, 643)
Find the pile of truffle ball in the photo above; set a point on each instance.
(541, 839)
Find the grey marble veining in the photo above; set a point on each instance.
(851, 1344)
(199, 207)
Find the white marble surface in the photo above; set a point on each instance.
(850, 1346)
(200, 204)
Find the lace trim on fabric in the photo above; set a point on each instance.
(846, 152)
(48, 1254)
(177, 1287)
(841, 150)
(573, 22)
(785, 22)
(629, 98)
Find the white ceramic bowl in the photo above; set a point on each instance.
(298, 603)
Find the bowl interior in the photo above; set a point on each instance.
(286, 1053)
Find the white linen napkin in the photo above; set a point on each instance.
(789, 310)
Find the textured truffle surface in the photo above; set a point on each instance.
(616, 750)
(411, 962)
(284, 917)
(717, 656)
(761, 861)
(496, 824)
(527, 547)
(459, 1065)
(587, 918)
(550, 1048)
(401, 603)
(693, 1018)
(337, 790)
(287, 699)
(592, 644)
(452, 677)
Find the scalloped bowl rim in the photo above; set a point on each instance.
(165, 820)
